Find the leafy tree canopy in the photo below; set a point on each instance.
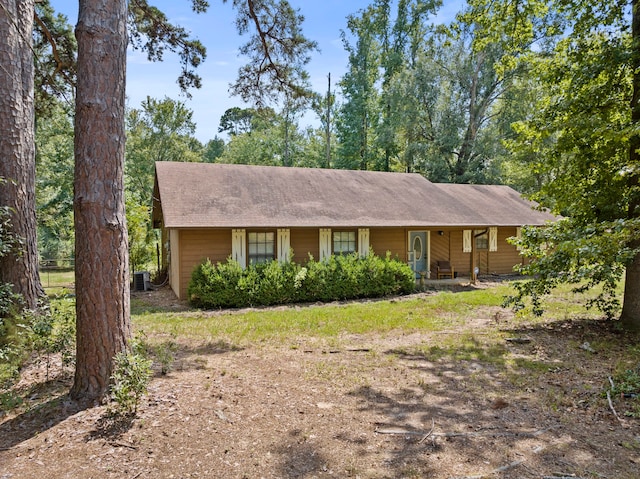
(161, 130)
(237, 120)
(583, 133)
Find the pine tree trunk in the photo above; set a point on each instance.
(102, 270)
(17, 148)
(630, 317)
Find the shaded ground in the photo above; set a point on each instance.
(398, 406)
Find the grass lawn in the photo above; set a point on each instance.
(55, 281)
(431, 312)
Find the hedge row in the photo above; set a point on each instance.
(228, 285)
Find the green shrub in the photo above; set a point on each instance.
(10, 400)
(337, 278)
(129, 382)
(274, 283)
(44, 332)
(627, 385)
(13, 343)
(13, 350)
(218, 286)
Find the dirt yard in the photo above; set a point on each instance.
(368, 407)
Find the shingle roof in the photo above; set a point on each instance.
(198, 195)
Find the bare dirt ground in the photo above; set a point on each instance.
(373, 407)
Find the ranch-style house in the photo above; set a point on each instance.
(263, 213)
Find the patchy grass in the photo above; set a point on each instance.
(564, 304)
(353, 389)
(57, 281)
(284, 324)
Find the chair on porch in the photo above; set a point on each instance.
(444, 268)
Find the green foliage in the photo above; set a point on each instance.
(359, 113)
(44, 332)
(164, 352)
(340, 277)
(129, 382)
(273, 283)
(11, 358)
(213, 150)
(580, 138)
(218, 285)
(142, 239)
(627, 385)
(55, 331)
(54, 49)
(160, 130)
(10, 400)
(10, 302)
(11, 319)
(584, 256)
(271, 139)
(257, 148)
(9, 243)
(420, 98)
(627, 382)
(236, 120)
(151, 31)
(54, 183)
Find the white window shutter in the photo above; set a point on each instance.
(239, 246)
(284, 245)
(363, 242)
(466, 241)
(493, 239)
(519, 237)
(325, 243)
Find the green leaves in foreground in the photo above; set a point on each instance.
(626, 384)
(129, 382)
(588, 257)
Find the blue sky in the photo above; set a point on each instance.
(324, 20)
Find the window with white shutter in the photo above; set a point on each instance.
(344, 242)
(284, 245)
(466, 241)
(238, 246)
(325, 243)
(493, 239)
(363, 242)
(519, 237)
(261, 246)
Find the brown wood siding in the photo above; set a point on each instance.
(482, 261)
(440, 248)
(489, 262)
(305, 241)
(393, 240)
(503, 260)
(198, 245)
(174, 266)
(459, 260)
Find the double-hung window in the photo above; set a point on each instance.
(344, 242)
(261, 246)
